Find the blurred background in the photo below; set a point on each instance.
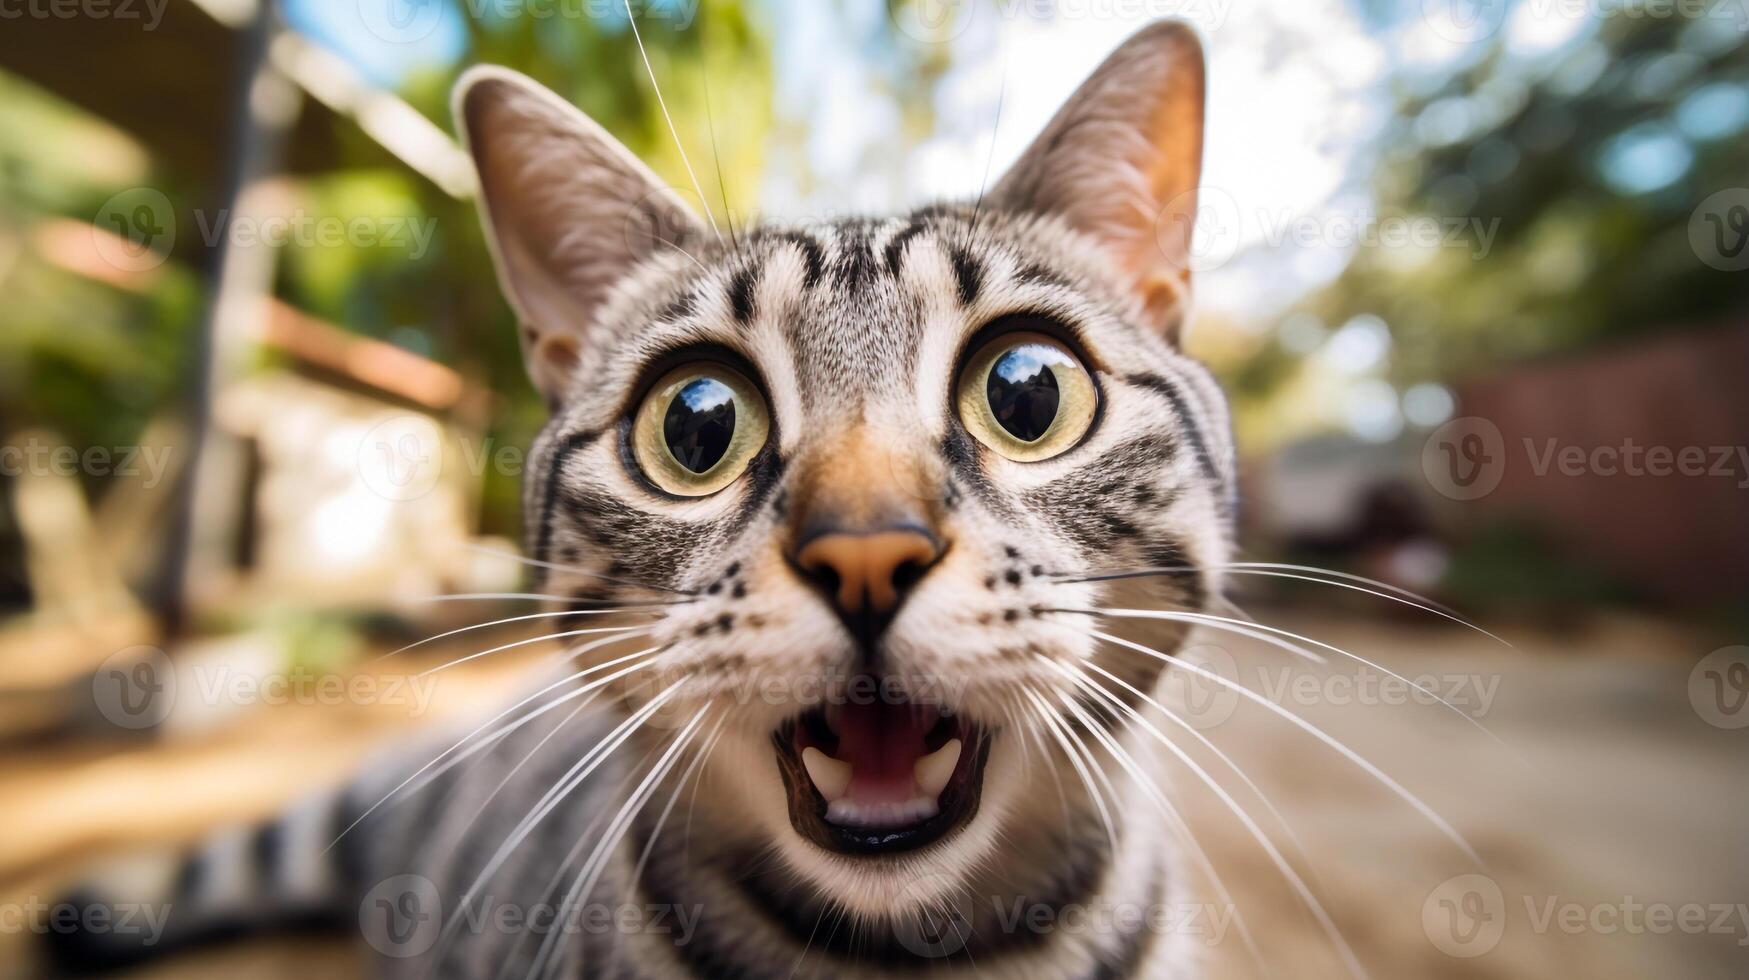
(1475, 275)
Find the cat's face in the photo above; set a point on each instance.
(868, 468)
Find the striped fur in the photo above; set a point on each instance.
(855, 330)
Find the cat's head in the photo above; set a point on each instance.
(868, 472)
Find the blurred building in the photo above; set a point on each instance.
(1634, 457)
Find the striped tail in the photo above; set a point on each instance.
(277, 875)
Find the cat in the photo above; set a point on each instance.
(863, 497)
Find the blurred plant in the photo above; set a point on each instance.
(1591, 143)
(94, 362)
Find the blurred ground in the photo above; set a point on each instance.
(1624, 796)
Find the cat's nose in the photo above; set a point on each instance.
(866, 574)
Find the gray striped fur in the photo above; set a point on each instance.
(854, 329)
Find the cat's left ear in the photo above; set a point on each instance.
(1120, 162)
(568, 210)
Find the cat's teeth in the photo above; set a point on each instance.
(934, 770)
(831, 776)
(849, 813)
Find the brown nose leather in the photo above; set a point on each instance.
(871, 569)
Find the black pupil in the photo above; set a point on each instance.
(700, 424)
(1023, 394)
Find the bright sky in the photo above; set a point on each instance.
(1294, 88)
(1298, 89)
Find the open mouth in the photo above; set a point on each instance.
(881, 777)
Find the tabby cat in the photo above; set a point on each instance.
(858, 498)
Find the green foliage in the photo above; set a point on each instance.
(95, 361)
(1583, 255)
(1514, 566)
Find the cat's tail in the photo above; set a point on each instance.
(294, 871)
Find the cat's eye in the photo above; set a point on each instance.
(698, 428)
(1026, 396)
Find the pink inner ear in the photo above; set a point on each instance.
(1121, 160)
(558, 352)
(556, 191)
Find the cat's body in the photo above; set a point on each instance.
(852, 511)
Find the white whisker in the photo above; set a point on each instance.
(506, 621)
(1239, 627)
(1048, 716)
(1410, 602)
(527, 641)
(592, 868)
(533, 596)
(1320, 576)
(696, 766)
(501, 716)
(1431, 815)
(1170, 812)
(663, 104)
(1218, 621)
(1207, 743)
(567, 783)
(574, 569)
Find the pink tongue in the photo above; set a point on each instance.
(882, 742)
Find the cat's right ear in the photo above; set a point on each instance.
(568, 212)
(1120, 163)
